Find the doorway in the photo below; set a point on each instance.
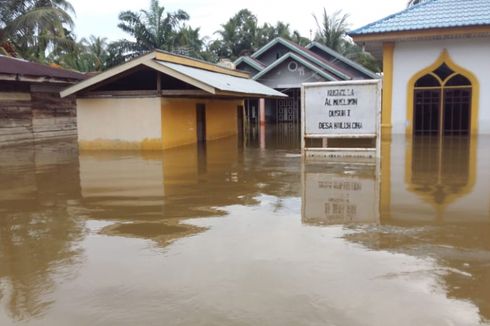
(239, 115)
(288, 109)
(201, 123)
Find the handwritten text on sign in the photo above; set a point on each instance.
(341, 109)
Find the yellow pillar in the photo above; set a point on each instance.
(385, 193)
(386, 126)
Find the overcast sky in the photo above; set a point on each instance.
(99, 17)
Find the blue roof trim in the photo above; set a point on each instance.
(432, 14)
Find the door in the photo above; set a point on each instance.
(201, 123)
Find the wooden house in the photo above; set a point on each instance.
(31, 108)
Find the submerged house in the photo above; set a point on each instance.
(31, 109)
(161, 100)
(436, 67)
(284, 66)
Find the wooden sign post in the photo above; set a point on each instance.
(341, 120)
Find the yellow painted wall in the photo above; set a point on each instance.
(179, 120)
(178, 123)
(150, 123)
(221, 119)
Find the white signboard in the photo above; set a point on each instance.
(335, 198)
(348, 109)
(344, 108)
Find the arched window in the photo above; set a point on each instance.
(442, 103)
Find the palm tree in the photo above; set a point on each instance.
(152, 29)
(188, 42)
(88, 55)
(332, 30)
(96, 48)
(31, 27)
(237, 36)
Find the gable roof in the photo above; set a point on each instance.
(342, 58)
(432, 14)
(257, 65)
(24, 68)
(296, 58)
(313, 57)
(208, 77)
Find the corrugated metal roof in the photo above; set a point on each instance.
(14, 66)
(432, 14)
(223, 82)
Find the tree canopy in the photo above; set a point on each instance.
(30, 28)
(242, 35)
(332, 31)
(42, 31)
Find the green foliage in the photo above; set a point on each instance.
(156, 29)
(332, 32)
(86, 56)
(40, 30)
(32, 28)
(241, 35)
(357, 54)
(237, 36)
(188, 42)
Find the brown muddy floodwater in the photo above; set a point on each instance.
(245, 235)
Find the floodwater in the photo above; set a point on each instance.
(234, 234)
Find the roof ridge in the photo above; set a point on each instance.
(327, 62)
(301, 59)
(339, 56)
(312, 56)
(420, 4)
(161, 55)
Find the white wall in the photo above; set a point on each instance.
(411, 57)
(122, 119)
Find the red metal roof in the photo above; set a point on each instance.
(13, 66)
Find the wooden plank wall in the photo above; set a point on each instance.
(35, 113)
(15, 118)
(53, 117)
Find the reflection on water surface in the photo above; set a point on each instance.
(245, 234)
